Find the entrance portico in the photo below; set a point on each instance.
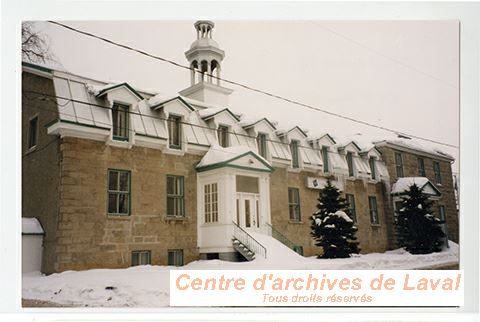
(233, 188)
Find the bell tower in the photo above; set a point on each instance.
(205, 60)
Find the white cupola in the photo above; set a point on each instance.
(205, 59)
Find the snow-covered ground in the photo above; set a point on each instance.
(148, 286)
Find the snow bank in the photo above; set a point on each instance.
(31, 226)
(148, 286)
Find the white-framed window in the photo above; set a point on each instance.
(222, 133)
(210, 194)
(119, 187)
(120, 124)
(373, 169)
(351, 206)
(294, 204)
(33, 132)
(262, 144)
(421, 167)
(374, 217)
(175, 257)
(295, 154)
(351, 169)
(399, 164)
(141, 257)
(175, 196)
(436, 171)
(326, 165)
(174, 132)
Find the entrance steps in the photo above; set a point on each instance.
(243, 249)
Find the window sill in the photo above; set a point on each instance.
(119, 143)
(351, 178)
(375, 225)
(295, 222)
(174, 151)
(176, 218)
(118, 217)
(31, 149)
(294, 170)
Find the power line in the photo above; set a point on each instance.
(292, 101)
(385, 56)
(49, 97)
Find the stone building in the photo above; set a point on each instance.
(118, 176)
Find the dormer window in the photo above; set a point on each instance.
(120, 122)
(294, 151)
(174, 132)
(326, 166)
(222, 133)
(351, 170)
(373, 170)
(262, 144)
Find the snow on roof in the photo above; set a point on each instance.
(217, 154)
(200, 103)
(414, 145)
(403, 184)
(31, 226)
(159, 99)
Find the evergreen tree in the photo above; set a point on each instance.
(332, 227)
(418, 231)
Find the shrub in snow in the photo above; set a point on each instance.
(332, 228)
(418, 232)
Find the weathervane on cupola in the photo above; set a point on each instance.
(205, 58)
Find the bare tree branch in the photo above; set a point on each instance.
(35, 47)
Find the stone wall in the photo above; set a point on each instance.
(410, 169)
(372, 238)
(40, 165)
(90, 238)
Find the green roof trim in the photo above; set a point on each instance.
(38, 67)
(160, 105)
(130, 88)
(227, 164)
(206, 118)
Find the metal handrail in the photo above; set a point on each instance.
(247, 239)
(280, 237)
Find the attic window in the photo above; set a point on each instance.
(371, 161)
(351, 172)
(223, 136)
(120, 122)
(294, 151)
(262, 144)
(174, 133)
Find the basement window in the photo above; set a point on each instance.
(141, 257)
(175, 257)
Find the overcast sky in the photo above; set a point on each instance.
(399, 75)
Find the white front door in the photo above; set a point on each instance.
(248, 216)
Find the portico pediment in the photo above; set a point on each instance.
(233, 157)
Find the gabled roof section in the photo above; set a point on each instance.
(159, 103)
(355, 145)
(209, 113)
(403, 185)
(240, 157)
(248, 125)
(318, 138)
(299, 129)
(112, 87)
